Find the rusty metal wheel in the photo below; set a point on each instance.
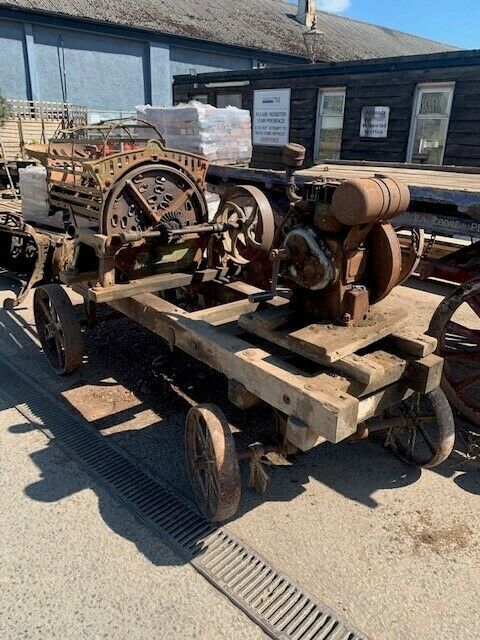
(58, 328)
(412, 247)
(421, 430)
(456, 325)
(248, 208)
(212, 462)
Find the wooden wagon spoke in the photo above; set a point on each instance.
(459, 329)
(474, 304)
(472, 356)
(467, 382)
(46, 309)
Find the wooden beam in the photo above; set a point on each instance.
(425, 375)
(273, 380)
(323, 342)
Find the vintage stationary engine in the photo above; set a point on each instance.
(135, 209)
(336, 247)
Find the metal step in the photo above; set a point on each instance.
(273, 601)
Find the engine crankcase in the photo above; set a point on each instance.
(311, 264)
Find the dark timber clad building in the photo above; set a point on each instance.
(111, 56)
(419, 109)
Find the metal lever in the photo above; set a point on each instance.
(276, 256)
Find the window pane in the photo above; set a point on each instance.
(333, 104)
(429, 141)
(229, 100)
(434, 102)
(330, 138)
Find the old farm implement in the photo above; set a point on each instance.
(323, 345)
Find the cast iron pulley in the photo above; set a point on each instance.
(150, 195)
(384, 261)
(249, 212)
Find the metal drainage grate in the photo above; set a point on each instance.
(278, 605)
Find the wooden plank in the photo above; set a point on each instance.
(412, 344)
(377, 369)
(240, 396)
(160, 282)
(325, 343)
(375, 404)
(412, 176)
(224, 313)
(272, 379)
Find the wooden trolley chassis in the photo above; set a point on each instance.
(326, 396)
(325, 405)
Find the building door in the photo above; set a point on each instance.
(431, 115)
(329, 130)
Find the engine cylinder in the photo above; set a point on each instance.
(363, 200)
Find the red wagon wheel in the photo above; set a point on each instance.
(456, 325)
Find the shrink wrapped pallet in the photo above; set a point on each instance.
(34, 194)
(222, 135)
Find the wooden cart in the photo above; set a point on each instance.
(325, 383)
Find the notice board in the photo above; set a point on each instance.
(374, 123)
(271, 117)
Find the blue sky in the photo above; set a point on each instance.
(454, 21)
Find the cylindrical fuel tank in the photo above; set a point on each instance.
(364, 200)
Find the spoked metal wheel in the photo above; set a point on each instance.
(58, 328)
(250, 213)
(456, 325)
(212, 462)
(421, 430)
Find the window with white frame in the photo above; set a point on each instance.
(328, 137)
(431, 116)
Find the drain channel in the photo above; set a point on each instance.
(275, 603)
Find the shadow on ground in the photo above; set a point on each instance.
(158, 388)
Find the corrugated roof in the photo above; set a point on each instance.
(259, 24)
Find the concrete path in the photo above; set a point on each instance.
(76, 564)
(393, 549)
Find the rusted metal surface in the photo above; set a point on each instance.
(212, 462)
(58, 328)
(364, 200)
(29, 254)
(253, 227)
(421, 429)
(135, 209)
(342, 253)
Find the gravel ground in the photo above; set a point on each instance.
(394, 549)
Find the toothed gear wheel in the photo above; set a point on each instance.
(153, 194)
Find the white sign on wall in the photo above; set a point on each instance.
(374, 123)
(271, 117)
